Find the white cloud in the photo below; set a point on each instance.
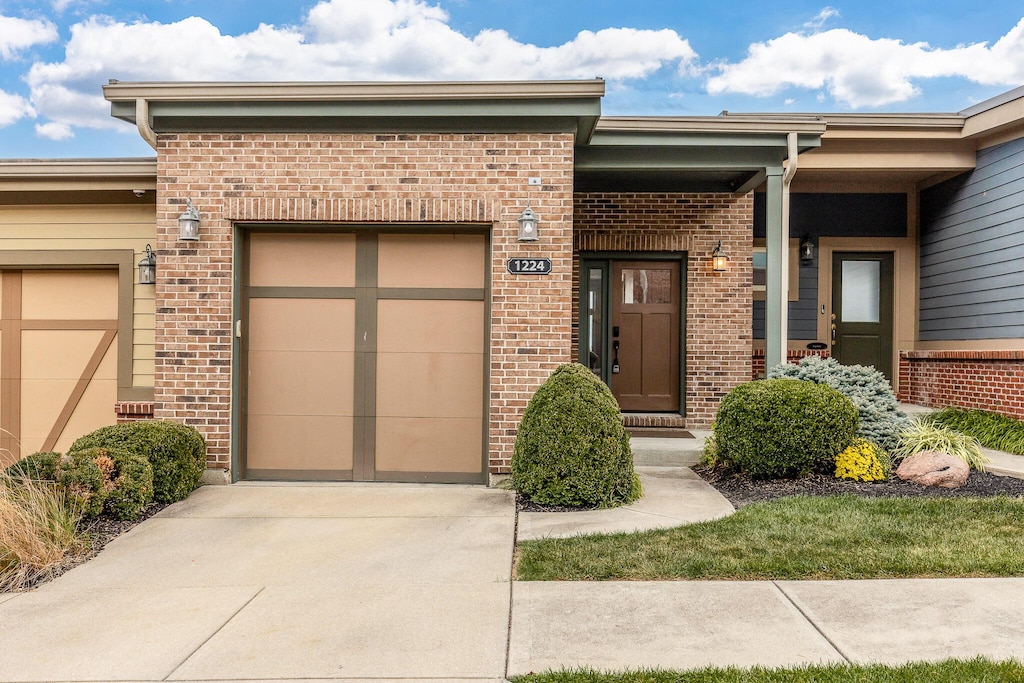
(859, 71)
(822, 17)
(13, 107)
(54, 130)
(17, 34)
(337, 40)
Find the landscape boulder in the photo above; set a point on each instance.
(932, 468)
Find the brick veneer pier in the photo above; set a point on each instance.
(987, 380)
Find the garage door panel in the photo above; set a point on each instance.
(409, 444)
(69, 295)
(302, 325)
(430, 326)
(299, 442)
(62, 354)
(94, 409)
(290, 260)
(300, 382)
(430, 385)
(41, 403)
(446, 261)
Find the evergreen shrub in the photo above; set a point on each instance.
(778, 428)
(571, 448)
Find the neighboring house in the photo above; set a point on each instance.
(366, 299)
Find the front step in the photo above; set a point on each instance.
(668, 452)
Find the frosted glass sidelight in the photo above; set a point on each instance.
(861, 291)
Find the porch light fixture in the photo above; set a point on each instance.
(147, 268)
(807, 251)
(188, 224)
(528, 221)
(719, 261)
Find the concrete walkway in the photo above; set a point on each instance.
(412, 582)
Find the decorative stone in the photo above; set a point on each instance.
(932, 468)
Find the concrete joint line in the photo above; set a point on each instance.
(213, 633)
(511, 583)
(821, 632)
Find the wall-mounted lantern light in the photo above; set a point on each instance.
(807, 251)
(147, 268)
(188, 224)
(528, 222)
(719, 261)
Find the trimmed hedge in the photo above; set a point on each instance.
(176, 452)
(777, 428)
(571, 448)
(129, 480)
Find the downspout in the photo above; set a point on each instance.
(787, 178)
(142, 121)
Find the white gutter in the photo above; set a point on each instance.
(142, 121)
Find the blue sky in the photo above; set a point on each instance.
(659, 57)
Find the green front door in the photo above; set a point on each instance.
(862, 309)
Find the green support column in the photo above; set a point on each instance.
(776, 296)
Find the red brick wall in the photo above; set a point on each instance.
(133, 411)
(793, 356)
(441, 179)
(987, 380)
(718, 305)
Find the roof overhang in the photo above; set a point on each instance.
(691, 154)
(64, 177)
(471, 107)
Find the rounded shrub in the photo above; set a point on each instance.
(40, 466)
(129, 480)
(783, 428)
(176, 452)
(571, 448)
(881, 420)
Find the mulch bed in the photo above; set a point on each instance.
(741, 490)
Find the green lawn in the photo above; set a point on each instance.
(803, 537)
(950, 671)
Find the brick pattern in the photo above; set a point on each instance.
(365, 178)
(986, 380)
(133, 411)
(793, 356)
(718, 305)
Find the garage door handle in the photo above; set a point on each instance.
(238, 329)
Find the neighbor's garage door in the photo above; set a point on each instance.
(365, 356)
(58, 358)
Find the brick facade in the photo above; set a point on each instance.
(987, 380)
(415, 179)
(718, 305)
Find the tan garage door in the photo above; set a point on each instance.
(365, 356)
(58, 357)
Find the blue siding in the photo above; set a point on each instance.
(803, 314)
(972, 251)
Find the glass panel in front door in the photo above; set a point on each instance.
(861, 291)
(646, 286)
(595, 319)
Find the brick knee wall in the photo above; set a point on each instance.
(985, 380)
(718, 305)
(133, 411)
(793, 356)
(336, 178)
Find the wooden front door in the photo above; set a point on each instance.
(862, 295)
(645, 335)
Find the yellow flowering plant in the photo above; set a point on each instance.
(862, 461)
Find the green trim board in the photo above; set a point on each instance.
(121, 259)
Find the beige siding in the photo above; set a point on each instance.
(74, 227)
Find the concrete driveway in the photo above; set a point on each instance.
(282, 582)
